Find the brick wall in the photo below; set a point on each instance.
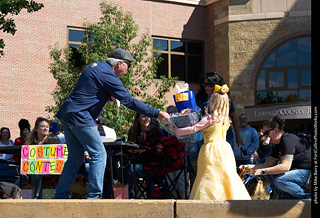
(236, 34)
(222, 40)
(26, 82)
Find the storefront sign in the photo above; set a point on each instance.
(261, 113)
(43, 159)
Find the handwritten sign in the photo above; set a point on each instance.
(43, 159)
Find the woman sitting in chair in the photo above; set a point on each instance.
(144, 132)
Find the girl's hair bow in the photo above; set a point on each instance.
(221, 89)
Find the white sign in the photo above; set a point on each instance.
(261, 113)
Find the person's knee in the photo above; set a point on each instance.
(99, 156)
(279, 182)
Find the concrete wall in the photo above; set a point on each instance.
(154, 208)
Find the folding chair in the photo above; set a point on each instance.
(9, 172)
(173, 160)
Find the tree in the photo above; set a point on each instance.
(9, 7)
(116, 28)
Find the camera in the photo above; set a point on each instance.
(243, 151)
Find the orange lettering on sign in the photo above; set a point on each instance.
(59, 166)
(25, 167)
(40, 153)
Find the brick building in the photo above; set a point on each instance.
(243, 40)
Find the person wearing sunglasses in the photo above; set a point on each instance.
(208, 81)
(98, 82)
(289, 164)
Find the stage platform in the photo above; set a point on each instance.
(153, 208)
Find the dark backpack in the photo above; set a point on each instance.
(306, 139)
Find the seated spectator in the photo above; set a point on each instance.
(144, 132)
(290, 176)
(244, 153)
(6, 141)
(55, 132)
(180, 186)
(7, 171)
(24, 127)
(39, 136)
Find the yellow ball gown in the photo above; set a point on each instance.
(217, 178)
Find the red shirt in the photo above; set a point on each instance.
(17, 157)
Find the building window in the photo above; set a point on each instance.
(181, 58)
(75, 35)
(285, 75)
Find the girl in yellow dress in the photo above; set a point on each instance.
(217, 178)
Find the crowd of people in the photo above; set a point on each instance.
(285, 159)
(39, 135)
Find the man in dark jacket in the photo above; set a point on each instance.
(98, 82)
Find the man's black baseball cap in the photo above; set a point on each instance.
(122, 54)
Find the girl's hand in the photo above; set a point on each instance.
(174, 129)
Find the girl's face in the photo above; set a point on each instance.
(43, 128)
(5, 134)
(25, 132)
(144, 120)
(208, 87)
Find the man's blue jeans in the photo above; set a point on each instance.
(80, 139)
(292, 182)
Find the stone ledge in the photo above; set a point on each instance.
(154, 208)
(243, 209)
(86, 208)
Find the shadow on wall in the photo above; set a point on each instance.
(200, 26)
(286, 208)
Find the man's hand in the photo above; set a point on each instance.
(164, 117)
(86, 155)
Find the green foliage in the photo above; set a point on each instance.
(9, 7)
(116, 28)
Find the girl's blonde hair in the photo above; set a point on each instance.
(219, 104)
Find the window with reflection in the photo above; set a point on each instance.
(181, 58)
(75, 36)
(75, 39)
(285, 75)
